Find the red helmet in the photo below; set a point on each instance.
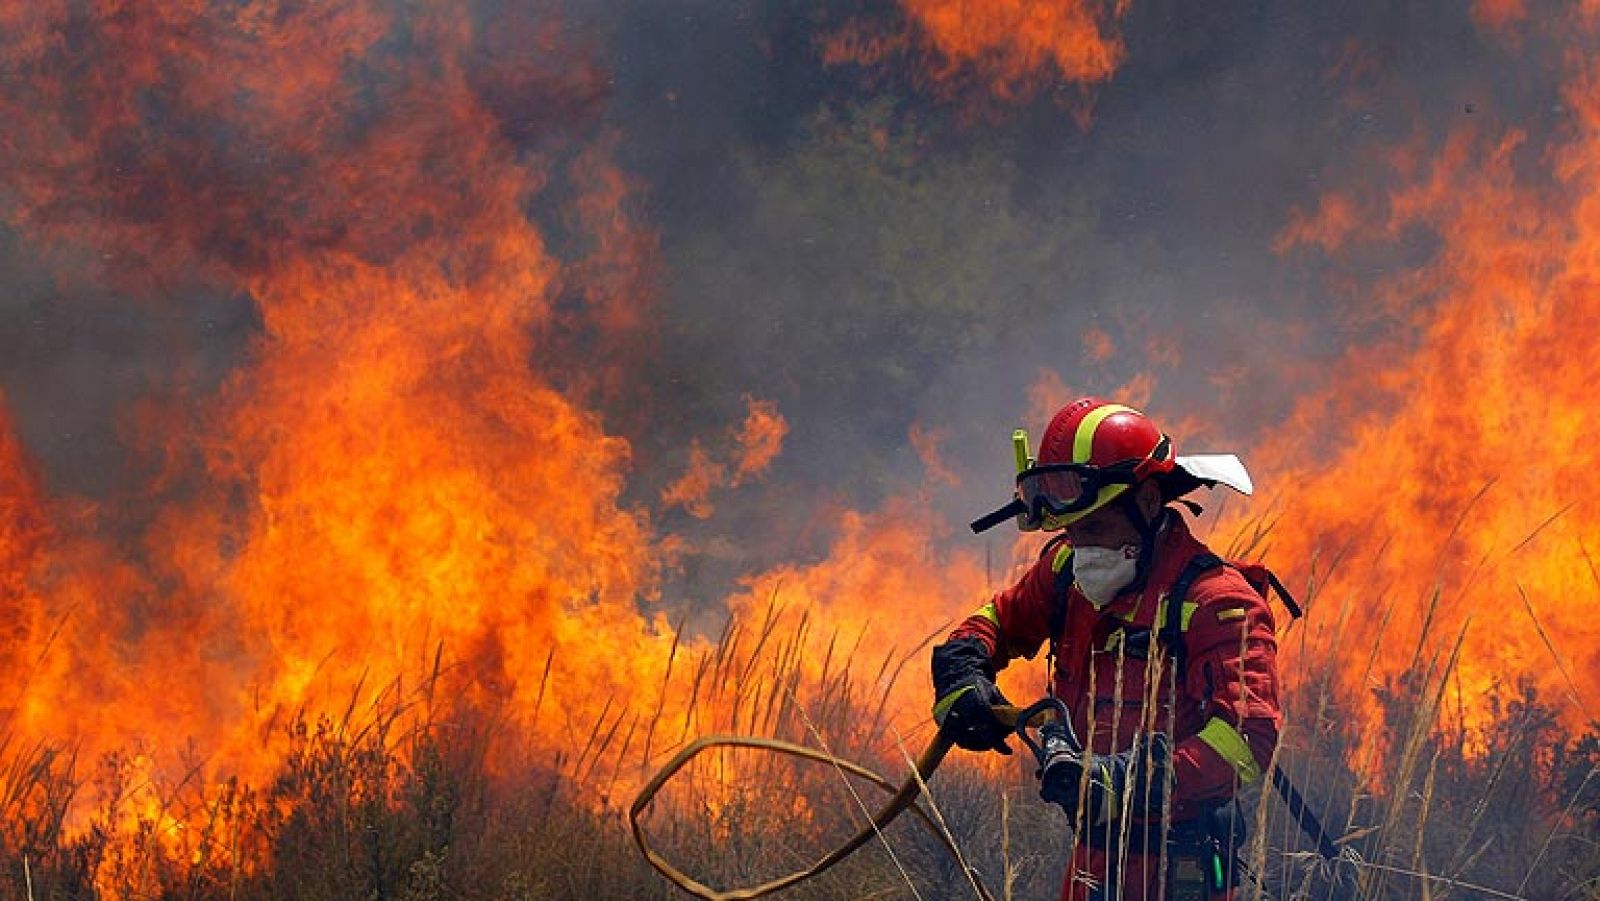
(1100, 433)
(1092, 451)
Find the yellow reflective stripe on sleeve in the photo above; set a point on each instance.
(942, 707)
(989, 612)
(1231, 746)
(1230, 615)
(1189, 607)
(1062, 558)
(1083, 439)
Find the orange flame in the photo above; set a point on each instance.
(1011, 48)
(386, 477)
(386, 498)
(22, 540)
(387, 483)
(692, 490)
(926, 442)
(754, 445)
(1444, 474)
(760, 439)
(1499, 15)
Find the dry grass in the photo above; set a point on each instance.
(391, 801)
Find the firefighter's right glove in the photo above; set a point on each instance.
(1107, 780)
(965, 693)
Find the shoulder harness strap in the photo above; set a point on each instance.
(1172, 626)
(1060, 554)
(1171, 632)
(1288, 599)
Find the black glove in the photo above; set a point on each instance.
(1142, 770)
(964, 689)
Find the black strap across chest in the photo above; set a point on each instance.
(1171, 630)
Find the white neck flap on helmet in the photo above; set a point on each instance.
(1218, 469)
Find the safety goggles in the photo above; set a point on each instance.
(1061, 489)
(1057, 489)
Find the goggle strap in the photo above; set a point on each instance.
(990, 520)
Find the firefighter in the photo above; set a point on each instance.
(1175, 709)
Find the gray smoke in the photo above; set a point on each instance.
(870, 258)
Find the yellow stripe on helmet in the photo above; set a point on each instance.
(1083, 439)
(1082, 448)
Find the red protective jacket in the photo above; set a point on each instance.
(1224, 717)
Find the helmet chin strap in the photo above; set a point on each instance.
(1148, 530)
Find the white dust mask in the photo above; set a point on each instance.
(1102, 572)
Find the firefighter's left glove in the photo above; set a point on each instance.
(1136, 778)
(965, 693)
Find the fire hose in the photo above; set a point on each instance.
(901, 799)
